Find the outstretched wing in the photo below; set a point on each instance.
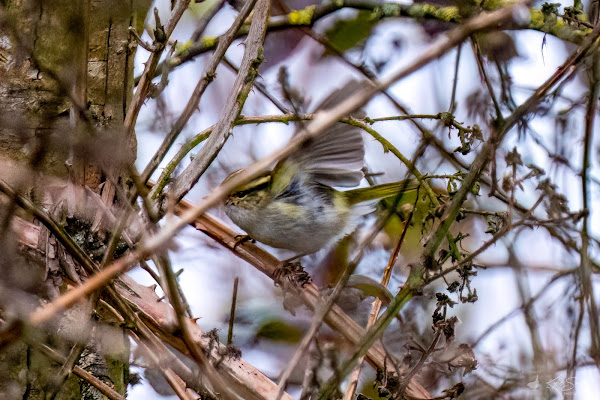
(334, 157)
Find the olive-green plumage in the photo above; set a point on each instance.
(385, 190)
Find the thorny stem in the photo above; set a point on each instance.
(143, 88)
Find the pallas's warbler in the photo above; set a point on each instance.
(294, 206)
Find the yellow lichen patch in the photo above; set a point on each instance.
(390, 9)
(449, 14)
(428, 9)
(302, 17)
(210, 41)
(183, 47)
(491, 5)
(537, 19)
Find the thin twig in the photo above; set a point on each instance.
(452, 106)
(481, 67)
(236, 281)
(205, 19)
(572, 363)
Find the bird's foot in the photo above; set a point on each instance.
(241, 239)
(291, 272)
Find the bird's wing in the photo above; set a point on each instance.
(335, 157)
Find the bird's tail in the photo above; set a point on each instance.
(382, 191)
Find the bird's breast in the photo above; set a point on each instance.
(302, 225)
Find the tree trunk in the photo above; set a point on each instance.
(66, 77)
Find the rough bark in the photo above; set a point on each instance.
(66, 75)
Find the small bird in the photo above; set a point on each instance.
(294, 206)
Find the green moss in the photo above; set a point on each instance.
(241, 100)
(252, 72)
(302, 17)
(117, 370)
